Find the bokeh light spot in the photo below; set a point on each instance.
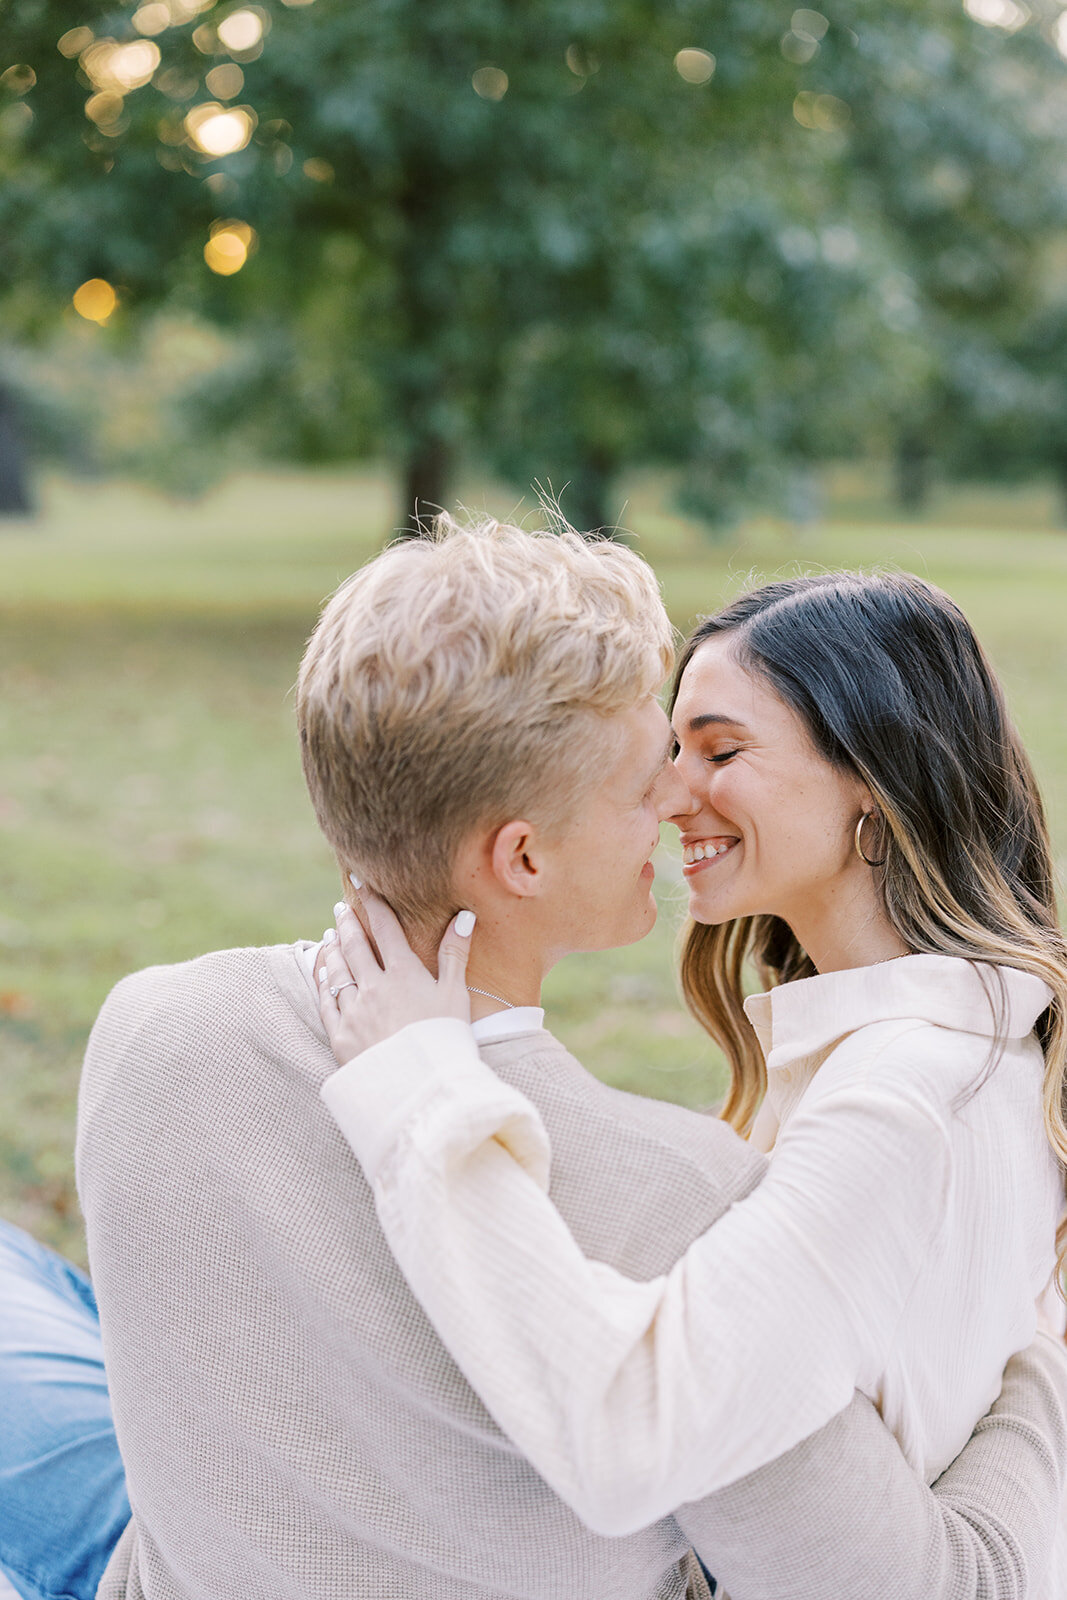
(241, 30)
(120, 67)
(811, 23)
(695, 66)
(490, 82)
(105, 109)
(95, 300)
(582, 62)
(1004, 14)
(225, 82)
(186, 10)
(229, 247)
(18, 79)
(217, 130)
(152, 19)
(823, 112)
(75, 41)
(318, 170)
(15, 120)
(798, 47)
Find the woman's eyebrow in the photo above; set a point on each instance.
(708, 718)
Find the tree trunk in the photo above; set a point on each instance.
(15, 499)
(586, 500)
(912, 472)
(1060, 469)
(427, 476)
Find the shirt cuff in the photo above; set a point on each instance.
(428, 1088)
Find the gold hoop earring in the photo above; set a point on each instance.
(866, 816)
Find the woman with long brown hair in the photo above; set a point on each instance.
(866, 842)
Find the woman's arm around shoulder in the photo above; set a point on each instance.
(632, 1398)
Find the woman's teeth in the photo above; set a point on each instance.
(702, 852)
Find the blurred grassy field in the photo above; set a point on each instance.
(151, 804)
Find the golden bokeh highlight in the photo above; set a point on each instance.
(18, 79)
(185, 10)
(95, 300)
(490, 82)
(120, 67)
(229, 247)
(217, 130)
(105, 109)
(152, 19)
(318, 170)
(73, 42)
(695, 66)
(242, 30)
(226, 81)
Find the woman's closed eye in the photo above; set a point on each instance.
(724, 755)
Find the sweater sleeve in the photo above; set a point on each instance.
(843, 1514)
(631, 1398)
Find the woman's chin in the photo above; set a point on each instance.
(710, 917)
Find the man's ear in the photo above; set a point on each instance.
(516, 858)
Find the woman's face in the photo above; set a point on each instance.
(773, 822)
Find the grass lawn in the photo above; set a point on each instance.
(151, 804)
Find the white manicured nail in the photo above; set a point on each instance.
(465, 924)
(329, 935)
(357, 883)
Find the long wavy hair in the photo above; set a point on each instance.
(893, 686)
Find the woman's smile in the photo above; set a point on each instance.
(701, 853)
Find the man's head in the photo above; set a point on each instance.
(463, 680)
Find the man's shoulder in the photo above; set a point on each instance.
(240, 1006)
(222, 983)
(629, 1172)
(216, 970)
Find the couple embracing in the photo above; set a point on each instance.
(787, 1354)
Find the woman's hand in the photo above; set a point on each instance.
(366, 997)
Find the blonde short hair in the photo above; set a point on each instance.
(465, 679)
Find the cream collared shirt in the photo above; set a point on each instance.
(896, 1245)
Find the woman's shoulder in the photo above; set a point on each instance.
(915, 1059)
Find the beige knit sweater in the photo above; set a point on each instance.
(291, 1425)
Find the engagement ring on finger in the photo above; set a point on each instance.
(335, 988)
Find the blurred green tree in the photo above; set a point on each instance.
(567, 237)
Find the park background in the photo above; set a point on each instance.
(759, 289)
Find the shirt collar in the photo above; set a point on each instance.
(506, 1024)
(803, 1018)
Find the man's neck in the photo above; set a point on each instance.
(502, 972)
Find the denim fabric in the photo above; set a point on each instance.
(63, 1501)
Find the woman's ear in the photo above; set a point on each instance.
(865, 800)
(516, 858)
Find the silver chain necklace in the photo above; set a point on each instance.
(472, 990)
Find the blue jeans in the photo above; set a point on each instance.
(63, 1502)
